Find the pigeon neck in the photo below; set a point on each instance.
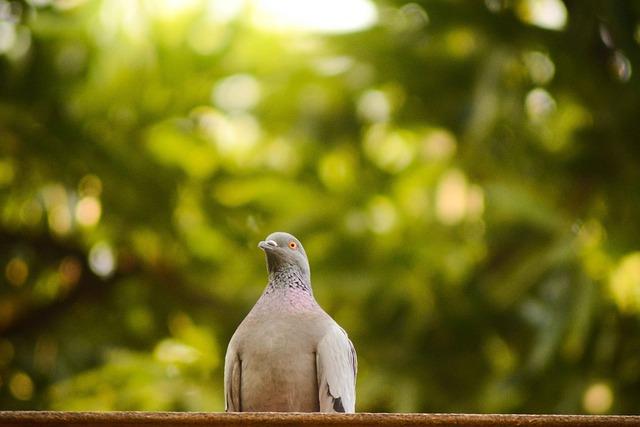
(289, 278)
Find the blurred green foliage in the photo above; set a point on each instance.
(465, 177)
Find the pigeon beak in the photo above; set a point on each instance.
(267, 245)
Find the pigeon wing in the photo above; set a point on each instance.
(232, 379)
(337, 366)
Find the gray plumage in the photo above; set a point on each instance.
(288, 355)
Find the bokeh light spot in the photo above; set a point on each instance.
(225, 10)
(547, 14)
(415, 16)
(56, 201)
(461, 42)
(102, 260)
(355, 222)
(332, 66)
(21, 44)
(21, 386)
(7, 36)
(337, 169)
(17, 271)
(494, 6)
(597, 398)
(31, 212)
(539, 104)
(624, 283)
(169, 9)
(280, 155)
(373, 106)
(382, 214)
(67, 4)
(175, 352)
(88, 211)
(540, 67)
(390, 150)
(201, 41)
(621, 66)
(70, 270)
(60, 219)
(321, 16)
(234, 137)
(10, 11)
(451, 197)
(90, 185)
(438, 144)
(605, 36)
(48, 286)
(240, 92)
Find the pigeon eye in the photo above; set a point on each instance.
(293, 245)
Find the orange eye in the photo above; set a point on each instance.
(293, 245)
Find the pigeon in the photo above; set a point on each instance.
(288, 354)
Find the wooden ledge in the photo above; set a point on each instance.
(175, 419)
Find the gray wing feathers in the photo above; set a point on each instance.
(232, 378)
(337, 367)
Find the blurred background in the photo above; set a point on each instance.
(464, 175)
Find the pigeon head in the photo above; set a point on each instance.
(284, 251)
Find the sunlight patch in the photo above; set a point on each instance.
(327, 16)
